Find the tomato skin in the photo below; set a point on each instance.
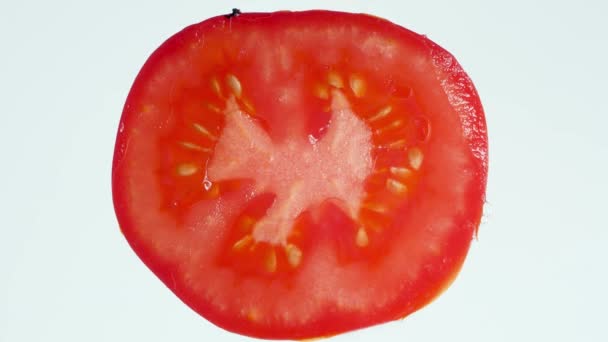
(460, 94)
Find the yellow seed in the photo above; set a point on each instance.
(392, 125)
(215, 86)
(248, 106)
(234, 84)
(381, 113)
(201, 129)
(415, 156)
(375, 207)
(246, 241)
(357, 85)
(193, 146)
(186, 169)
(426, 128)
(397, 144)
(335, 80)
(362, 239)
(402, 172)
(294, 255)
(213, 107)
(270, 263)
(396, 187)
(322, 92)
(380, 171)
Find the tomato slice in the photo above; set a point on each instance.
(301, 174)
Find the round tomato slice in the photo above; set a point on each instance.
(301, 174)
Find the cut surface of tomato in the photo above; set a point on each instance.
(301, 174)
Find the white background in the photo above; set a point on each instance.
(537, 273)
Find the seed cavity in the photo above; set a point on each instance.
(270, 261)
(186, 169)
(396, 187)
(201, 129)
(294, 255)
(381, 114)
(357, 85)
(415, 157)
(335, 80)
(361, 239)
(245, 242)
(234, 84)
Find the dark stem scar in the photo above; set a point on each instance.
(235, 13)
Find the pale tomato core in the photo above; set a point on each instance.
(301, 171)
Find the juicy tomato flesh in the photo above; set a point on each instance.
(295, 175)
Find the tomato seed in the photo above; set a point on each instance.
(322, 92)
(186, 169)
(361, 238)
(402, 172)
(270, 263)
(242, 243)
(213, 107)
(393, 125)
(357, 85)
(201, 129)
(397, 144)
(381, 114)
(396, 187)
(335, 80)
(375, 207)
(415, 157)
(193, 146)
(215, 86)
(294, 255)
(235, 85)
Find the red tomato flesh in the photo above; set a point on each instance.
(301, 174)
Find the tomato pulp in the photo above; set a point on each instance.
(301, 174)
